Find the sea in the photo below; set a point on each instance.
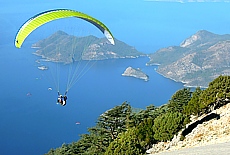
(30, 120)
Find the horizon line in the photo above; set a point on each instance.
(191, 1)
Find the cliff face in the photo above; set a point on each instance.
(61, 47)
(137, 73)
(197, 61)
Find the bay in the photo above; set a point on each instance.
(33, 124)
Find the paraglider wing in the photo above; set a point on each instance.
(47, 16)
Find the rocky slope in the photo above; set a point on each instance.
(197, 61)
(137, 73)
(213, 131)
(61, 47)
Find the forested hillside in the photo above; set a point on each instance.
(122, 130)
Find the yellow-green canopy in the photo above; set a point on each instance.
(51, 15)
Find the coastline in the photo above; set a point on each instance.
(121, 57)
(185, 84)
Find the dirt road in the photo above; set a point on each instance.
(214, 149)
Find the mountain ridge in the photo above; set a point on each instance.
(61, 47)
(197, 61)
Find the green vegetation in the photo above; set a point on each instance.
(126, 143)
(125, 130)
(194, 106)
(179, 100)
(167, 125)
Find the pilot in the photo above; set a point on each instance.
(62, 99)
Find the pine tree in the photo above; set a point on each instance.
(217, 93)
(194, 106)
(114, 120)
(179, 100)
(167, 125)
(126, 143)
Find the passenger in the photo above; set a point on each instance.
(61, 99)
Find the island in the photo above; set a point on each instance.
(42, 67)
(137, 73)
(197, 61)
(62, 47)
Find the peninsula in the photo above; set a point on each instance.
(137, 73)
(197, 61)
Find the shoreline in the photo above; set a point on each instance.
(185, 84)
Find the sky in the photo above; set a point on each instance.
(147, 25)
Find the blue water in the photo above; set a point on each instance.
(34, 124)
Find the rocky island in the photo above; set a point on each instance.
(42, 67)
(197, 61)
(62, 47)
(137, 73)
